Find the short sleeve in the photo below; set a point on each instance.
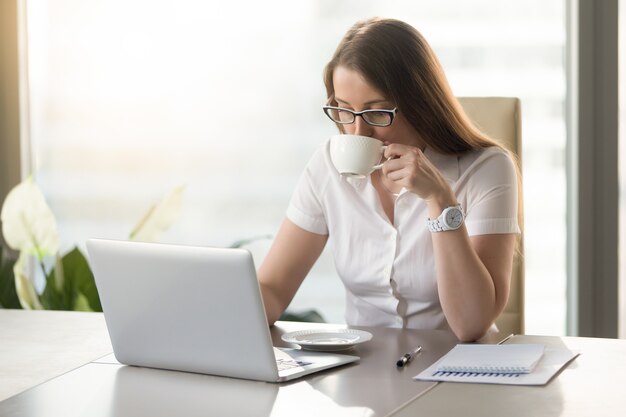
(492, 199)
(306, 209)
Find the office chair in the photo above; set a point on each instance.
(500, 119)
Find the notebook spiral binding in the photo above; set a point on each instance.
(486, 369)
(478, 374)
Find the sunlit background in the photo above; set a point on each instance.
(131, 98)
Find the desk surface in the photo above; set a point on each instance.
(37, 346)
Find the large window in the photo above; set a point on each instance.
(130, 98)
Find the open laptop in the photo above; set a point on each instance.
(194, 309)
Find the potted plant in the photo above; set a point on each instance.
(29, 227)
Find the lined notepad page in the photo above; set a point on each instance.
(499, 359)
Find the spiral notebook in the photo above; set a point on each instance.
(517, 364)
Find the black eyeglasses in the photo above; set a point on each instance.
(374, 117)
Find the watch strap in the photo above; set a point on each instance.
(436, 226)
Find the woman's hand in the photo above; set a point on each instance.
(409, 168)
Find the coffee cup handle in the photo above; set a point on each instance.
(380, 165)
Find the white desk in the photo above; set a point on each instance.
(36, 346)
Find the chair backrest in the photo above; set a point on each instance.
(500, 119)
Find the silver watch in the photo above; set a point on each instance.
(450, 219)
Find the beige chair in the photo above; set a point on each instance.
(500, 119)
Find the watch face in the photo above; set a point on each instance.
(453, 218)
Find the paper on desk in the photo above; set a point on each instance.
(551, 362)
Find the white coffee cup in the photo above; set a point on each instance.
(356, 156)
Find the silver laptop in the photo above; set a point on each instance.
(193, 309)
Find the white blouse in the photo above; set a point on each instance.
(389, 269)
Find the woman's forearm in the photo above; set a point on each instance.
(467, 292)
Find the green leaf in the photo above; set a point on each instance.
(81, 303)
(77, 271)
(59, 274)
(55, 298)
(8, 293)
(78, 292)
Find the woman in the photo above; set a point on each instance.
(401, 264)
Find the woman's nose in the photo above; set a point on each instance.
(362, 128)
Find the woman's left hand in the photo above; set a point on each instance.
(409, 168)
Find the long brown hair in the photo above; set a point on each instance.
(395, 58)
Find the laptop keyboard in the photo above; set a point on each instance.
(284, 364)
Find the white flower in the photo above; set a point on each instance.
(159, 218)
(28, 224)
(24, 287)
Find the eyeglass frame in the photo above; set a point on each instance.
(391, 112)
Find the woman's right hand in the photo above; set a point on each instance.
(410, 168)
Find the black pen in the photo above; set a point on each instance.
(408, 357)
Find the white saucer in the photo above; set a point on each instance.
(327, 339)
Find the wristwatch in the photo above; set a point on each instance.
(450, 219)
